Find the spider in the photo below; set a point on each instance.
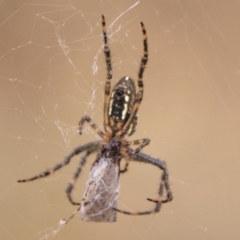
(120, 121)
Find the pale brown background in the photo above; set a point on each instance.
(52, 71)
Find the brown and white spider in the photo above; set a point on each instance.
(120, 121)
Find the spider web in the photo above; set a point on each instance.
(52, 72)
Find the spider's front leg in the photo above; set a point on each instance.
(141, 157)
(76, 175)
(127, 152)
(90, 147)
(138, 156)
(142, 142)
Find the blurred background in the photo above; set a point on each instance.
(52, 71)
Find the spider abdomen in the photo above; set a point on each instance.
(121, 102)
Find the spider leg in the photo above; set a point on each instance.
(134, 125)
(87, 147)
(107, 87)
(75, 177)
(128, 152)
(139, 95)
(144, 59)
(92, 125)
(142, 142)
(141, 157)
(154, 210)
(125, 169)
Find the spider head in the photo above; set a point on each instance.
(112, 148)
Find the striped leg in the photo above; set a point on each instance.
(75, 177)
(128, 152)
(76, 151)
(92, 125)
(139, 95)
(107, 87)
(142, 142)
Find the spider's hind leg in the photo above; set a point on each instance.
(107, 88)
(139, 95)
